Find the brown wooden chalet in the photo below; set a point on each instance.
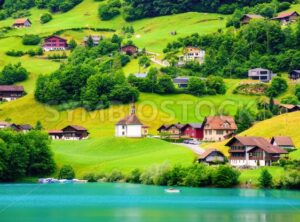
(71, 132)
(22, 23)
(284, 142)
(10, 92)
(189, 130)
(212, 156)
(250, 151)
(248, 17)
(287, 17)
(129, 49)
(21, 127)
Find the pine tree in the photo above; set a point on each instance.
(265, 179)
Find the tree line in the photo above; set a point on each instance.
(8, 7)
(232, 53)
(23, 155)
(137, 9)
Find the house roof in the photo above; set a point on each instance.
(21, 126)
(288, 106)
(163, 126)
(282, 141)
(94, 38)
(55, 131)
(195, 125)
(130, 120)
(76, 127)
(285, 14)
(55, 36)
(208, 152)
(140, 75)
(4, 124)
(259, 142)
(181, 80)
(295, 71)
(259, 69)
(11, 88)
(21, 21)
(253, 16)
(217, 123)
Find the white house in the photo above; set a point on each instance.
(194, 54)
(131, 126)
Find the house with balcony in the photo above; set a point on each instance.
(251, 151)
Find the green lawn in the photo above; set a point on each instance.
(253, 175)
(101, 155)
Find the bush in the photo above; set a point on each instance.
(31, 39)
(135, 176)
(265, 179)
(115, 176)
(15, 53)
(91, 178)
(13, 73)
(45, 18)
(110, 10)
(291, 180)
(66, 172)
(278, 86)
(225, 176)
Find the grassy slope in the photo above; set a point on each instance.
(107, 154)
(150, 33)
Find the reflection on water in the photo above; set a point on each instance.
(135, 203)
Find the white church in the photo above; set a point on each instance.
(131, 126)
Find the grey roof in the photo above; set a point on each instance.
(259, 69)
(196, 125)
(254, 16)
(141, 75)
(181, 80)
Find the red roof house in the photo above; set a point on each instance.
(287, 17)
(129, 49)
(22, 23)
(55, 43)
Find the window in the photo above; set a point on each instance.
(220, 132)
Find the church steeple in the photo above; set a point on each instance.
(132, 112)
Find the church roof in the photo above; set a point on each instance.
(130, 120)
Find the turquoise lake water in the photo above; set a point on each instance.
(135, 203)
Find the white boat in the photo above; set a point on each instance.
(172, 190)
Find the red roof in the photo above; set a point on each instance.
(282, 141)
(220, 123)
(130, 120)
(21, 21)
(208, 152)
(11, 88)
(55, 36)
(285, 14)
(55, 131)
(259, 142)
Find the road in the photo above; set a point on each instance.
(195, 148)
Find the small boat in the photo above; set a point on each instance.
(172, 190)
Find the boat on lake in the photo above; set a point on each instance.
(172, 190)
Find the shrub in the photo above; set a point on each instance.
(15, 53)
(91, 178)
(225, 176)
(265, 179)
(31, 39)
(291, 180)
(135, 176)
(278, 86)
(45, 18)
(66, 172)
(115, 176)
(13, 73)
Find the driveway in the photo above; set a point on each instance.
(195, 148)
